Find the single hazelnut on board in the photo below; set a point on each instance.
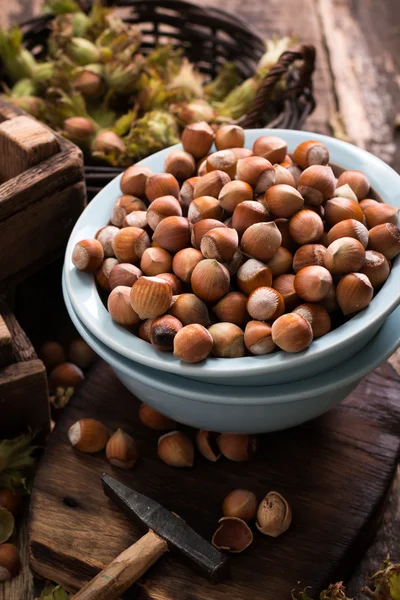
(121, 450)
(241, 504)
(65, 375)
(233, 535)
(228, 340)
(310, 153)
(88, 435)
(189, 309)
(274, 515)
(81, 354)
(176, 449)
(354, 292)
(152, 419)
(88, 255)
(51, 354)
(258, 339)
(207, 445)
(150, 297)
(193, 343)
(238, 447)
(292, 333)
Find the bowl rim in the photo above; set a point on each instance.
(384, 343)
(91, 311)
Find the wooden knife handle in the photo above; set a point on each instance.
(124, 570)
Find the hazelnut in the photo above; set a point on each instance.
(161, 184)
(238, 447)
(257, 172)
(66, 375)
(248, 213)
(233, 535)
(88, 255)
(385, 239)
(317, 316)
(173, 233)
(121, 450)
(313, 283)
(189, 309)
(228, 340)
(252, 275)
(258, 339)
(357, 181)
(185, 261)
(265, 304)
(364, 204)
(261, 240)
(376, 268)
(283, 201)
(380, 213)
(283, 176)
(317, 184)
(354, 292)
(173, 281)
(159, 209)
(341, 209)
(88, 435)
(223, 160)
(233, 193)
(210, 184)
(180, 164)
(138, 218)
(187, 191)
(145, 329)
(241, 152)
(237, 260)
(105, 236)
(344, 256)
(220, 243)
(133, 180)
(10, 563)
(228, 137)
(193, 343)
(11, 500)
(124, 274)
(292, 333)
(287, 162)
(207, 445)
(270, 147)
(210, 280)
(284, 284)
(281, 262)
(103, 274)
(308, 255)
(154, 420)
(155, 261)
(52, 354)
(345, 191)
(150, 297)
(274, 515)
(306, 227)
(241, 504)
(232, 308)
(163, 331)
(176, 449)
(295, 172)
(310, 153)
(123, 207)
(204, 207)
(201, 228)
(349, 228)
(197, 139)
(119, 307)
(81, 354)
(130, 243)
(287, 241)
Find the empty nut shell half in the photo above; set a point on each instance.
(233, 535)
(274, 515)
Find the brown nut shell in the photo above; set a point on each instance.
(310, 153)
(144, 330)
(207, 445)
(51, 354)
(248, 213)
(381, 213)
(193, 343)
(11, 500)
(341, 209)
(271, 147)
(317, 316)
(176, 449)
(281, 262)
(103, 274)
(185, 261)
(211, 184)
(7, 524)
(284, 284)
(165, 206)
(233, 193)
(10, 562)
(180, 164)
(187, 191)
(88, 255)
(283, 201)
(220, 243)
(283, 176)
(138, 218)
(385, 239)
(344, 255)
(274, 515)
(354, 292)
(133, 180)
(357, 181)
(210, 280)
(161, 184)
(174, 282)
(189, 309)
(376, 267)
(238, 447)
(241, 504)
(121, 450)
(228, 340)
(349, 228)
(308, 255)
(261, 240)
(233, 535)
(330, 302)
(81, 354)
(265, 304)
(232, 308)
(130, 243)
(223, 160)
(204, 207)
(152, 419)
(197, 138)
(306, 227)
(292, 333)
(173, 234)
(123, 207)
(65, 375)
(364, 204)
(317, 184)
(201, 228)
(313, 283)
(88, 435)
(228, 137)
(258, 339)
(120, 308)
(105, 236)
(163, 331)
(257, 172)
(155, 261)
(150, 297)
(124, 274)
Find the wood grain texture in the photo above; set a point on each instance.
(6, 353)
(340, 464)
(21, 346)
(24, 142)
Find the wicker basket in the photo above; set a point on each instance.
(210, 36)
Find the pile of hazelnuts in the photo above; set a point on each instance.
(240, 251)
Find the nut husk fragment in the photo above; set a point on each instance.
(233, 535)
(274, 515)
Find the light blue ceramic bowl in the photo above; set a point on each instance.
(332, 349)
(245, 409)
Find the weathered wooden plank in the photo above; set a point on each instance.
(22, 348)
(6, 352)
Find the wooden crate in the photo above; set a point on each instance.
(24, 398)
(42, 193)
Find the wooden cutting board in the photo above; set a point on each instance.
(335, 472)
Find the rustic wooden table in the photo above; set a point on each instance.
(357, 88)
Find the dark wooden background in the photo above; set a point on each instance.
(357, 88)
